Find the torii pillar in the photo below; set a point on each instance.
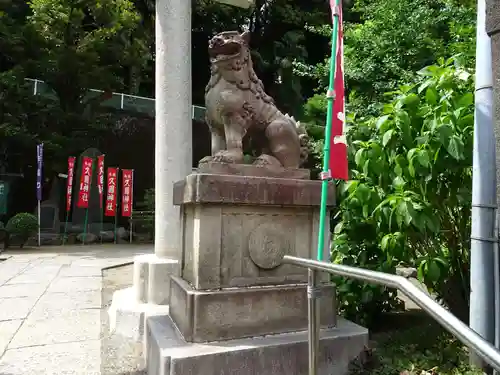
(173, 146)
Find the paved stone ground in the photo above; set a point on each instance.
(50, 307)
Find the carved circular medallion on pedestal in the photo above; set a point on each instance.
(267, 246)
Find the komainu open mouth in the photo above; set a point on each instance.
(224, 51)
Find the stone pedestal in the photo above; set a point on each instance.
(234, 291)
(235, 233)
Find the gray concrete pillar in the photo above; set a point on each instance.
(173, 125)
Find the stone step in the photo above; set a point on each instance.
(167, 353)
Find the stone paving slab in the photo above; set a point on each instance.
(56, 304)
(16, 308)
(80, 270)
(43, 269)
(7, 331)
(51, 308)
(74, 284)
(21, 290)
(77, 325)
(32, 278)
(77, 358)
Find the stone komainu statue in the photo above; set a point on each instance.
(238, 108)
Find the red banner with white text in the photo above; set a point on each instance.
(111, 179)
(127, 191)
(100, 177)
(338, 144)
(69, 182)
(85, 181)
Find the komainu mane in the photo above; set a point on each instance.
(237, 106)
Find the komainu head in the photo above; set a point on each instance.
(228, 45)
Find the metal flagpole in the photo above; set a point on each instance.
(326, 176)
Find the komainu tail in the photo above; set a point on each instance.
(303, 138)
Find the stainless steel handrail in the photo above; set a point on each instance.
(451, 323)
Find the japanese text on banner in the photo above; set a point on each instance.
(39, 166)
(110, 208)
(100, 177)
(85, 181)
(127, 192)
(69, 182)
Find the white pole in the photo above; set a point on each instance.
(173, 121)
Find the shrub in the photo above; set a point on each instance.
(409, 198)
(23, 225)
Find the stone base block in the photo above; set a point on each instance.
(152, 278)
(203, 316)
(284, 354)
(127, 317)
(236, 230)
(253, 170)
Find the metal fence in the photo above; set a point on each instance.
(451, 323)
(133, 103)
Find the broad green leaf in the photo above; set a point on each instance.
(338, 228)
(467, 120)
(387, 137)
(411, 99)
(401, 213)
(424, 85)
(431, 223)
(398, 182)
(398, 170)
(359, 157)
(412, 214)
(403, 118)
(423, 158)
(444, 132)
(366, 167)
(456, 147)
(350, 186)
(411, 168)
(366, 211)
(421, 271)
(384, 244)
(411, 154)
(433, 271)
(466, 100)
(381, 121)
(431, 96)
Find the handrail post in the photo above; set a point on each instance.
(313, 320)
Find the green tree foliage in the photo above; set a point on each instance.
(389, 41)
(72, 46)
(409, 199)
(82, 44)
